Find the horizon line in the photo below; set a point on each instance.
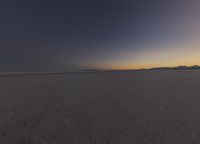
(93, 69)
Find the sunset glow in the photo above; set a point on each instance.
(77, 36)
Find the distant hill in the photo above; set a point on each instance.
(195, 67)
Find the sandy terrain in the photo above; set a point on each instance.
(141, 107)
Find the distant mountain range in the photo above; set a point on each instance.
(195, 67)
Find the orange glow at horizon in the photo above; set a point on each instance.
(186, 54)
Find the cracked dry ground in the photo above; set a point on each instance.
(138, 107)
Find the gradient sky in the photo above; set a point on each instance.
(102, 34)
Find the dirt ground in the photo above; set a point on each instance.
(124, 107)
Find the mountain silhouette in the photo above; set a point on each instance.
(195, 67)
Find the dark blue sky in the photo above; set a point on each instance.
(75, 34)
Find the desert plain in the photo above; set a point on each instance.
(106, 107)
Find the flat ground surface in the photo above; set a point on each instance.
(142, 107)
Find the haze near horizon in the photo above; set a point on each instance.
(61, 35)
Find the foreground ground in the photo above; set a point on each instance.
(141, 107)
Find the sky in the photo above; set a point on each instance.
(43, 35)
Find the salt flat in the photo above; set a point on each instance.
(127, 107)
